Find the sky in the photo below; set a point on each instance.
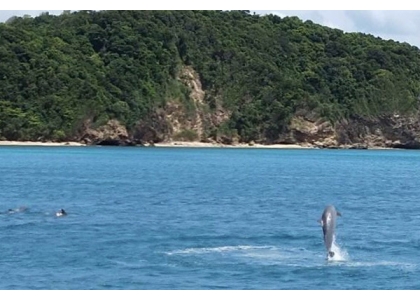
(388, 23)
(398, 25)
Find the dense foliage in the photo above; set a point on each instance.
(56, 72)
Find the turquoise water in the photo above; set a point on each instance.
(156, 218)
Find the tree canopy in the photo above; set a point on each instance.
(56, 72)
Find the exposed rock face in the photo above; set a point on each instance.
(306, 131)
(187, 119)
(361, 133)
(154, 130)
(391, 131)
(111, 134)
(386, 132)
(191, 123)
(194, 121)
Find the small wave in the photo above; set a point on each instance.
(129, 265)
(23, 224)
(291, 236)
(217, 249)
(297, 257)
(290, 256)
(266, 255)
(381, 263)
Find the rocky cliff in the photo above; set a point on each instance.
(358, 133)
(195, 121)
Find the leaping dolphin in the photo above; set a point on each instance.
(328, 221)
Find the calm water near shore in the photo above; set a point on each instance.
(188, 218)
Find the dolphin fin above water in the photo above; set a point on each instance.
(338, 213)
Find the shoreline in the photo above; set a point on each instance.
(216, 145)
(161, 145)
(180, 144)
(49, 144)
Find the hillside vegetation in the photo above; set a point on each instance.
(63, 75)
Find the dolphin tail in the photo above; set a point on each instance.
(331, 254)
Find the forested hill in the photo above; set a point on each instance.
(149, 76)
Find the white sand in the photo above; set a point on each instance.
(215, 145)
(179, 144)
(15, 143)
(164, 144)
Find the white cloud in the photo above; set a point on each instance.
(6, 14)
(399, 25)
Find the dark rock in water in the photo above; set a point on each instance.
(116, 142)
(358, 147)
(129, 143)
(109, 143)
(408, 145)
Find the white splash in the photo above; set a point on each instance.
(339, 253)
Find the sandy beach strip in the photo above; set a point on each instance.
(50, 144)
(180, 144)
(215, 145)
(173, 144)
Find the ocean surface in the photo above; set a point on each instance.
(183, 218)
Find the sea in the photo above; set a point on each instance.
(152, 218)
